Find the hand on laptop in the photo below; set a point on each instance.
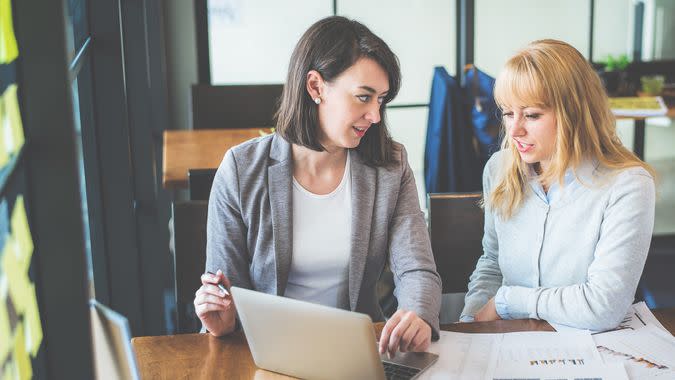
(213, 306)
(405, 331)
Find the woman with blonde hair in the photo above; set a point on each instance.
(569, 211)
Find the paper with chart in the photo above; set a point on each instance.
(478, 356)
(548, 348)
(647, 353)
(551, 355)
(595, 371)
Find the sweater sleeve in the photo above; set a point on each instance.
(487, 277)
(620, 254)
(417, 284)
(226, 231)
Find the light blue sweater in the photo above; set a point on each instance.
(575, 260)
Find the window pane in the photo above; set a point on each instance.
(77, 12)
(612, 29)
(251, 41)
(422, 35)
(90, 191)
(83, 187)
(503, 27)
(408, 126)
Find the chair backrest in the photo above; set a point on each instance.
(456, 231)
(199, 183)
(236, 106)
(189, 226)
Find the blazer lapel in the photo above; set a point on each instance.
(279, 177)
(363, 199)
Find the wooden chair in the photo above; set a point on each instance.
(199, 183)
(189, 225)
(237, 106)
(456, 232)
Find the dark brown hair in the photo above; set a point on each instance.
(330, 46)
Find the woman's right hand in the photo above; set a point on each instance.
(213, 307)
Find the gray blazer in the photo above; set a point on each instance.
(250, 225)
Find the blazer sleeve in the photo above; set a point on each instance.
(612, 278)
(487, 277)
(417, 284)
(226, 231)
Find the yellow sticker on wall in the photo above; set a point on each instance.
(21, 357)
(5, 137)
(21, 233)
(5, 328)
(8, 48)
(9, 373)
(18, 281)
(13, 117)
(32, 322)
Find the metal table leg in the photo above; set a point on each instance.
(639, 138)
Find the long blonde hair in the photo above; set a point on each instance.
(553, 75)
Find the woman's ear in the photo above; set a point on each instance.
(315, 85)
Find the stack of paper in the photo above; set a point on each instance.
(641, 343)
(638, 106)
(528, 355)
(640, 348)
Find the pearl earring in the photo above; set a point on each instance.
(317, 100)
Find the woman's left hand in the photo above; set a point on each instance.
(488, 312)
(405, 331)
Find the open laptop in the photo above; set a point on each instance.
(114, 356)
(312, 341)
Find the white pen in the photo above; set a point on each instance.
(220, 286)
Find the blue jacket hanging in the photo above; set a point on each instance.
(451, 163)
(485, 117)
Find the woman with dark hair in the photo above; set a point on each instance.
(316, 210)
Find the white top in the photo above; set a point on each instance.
(321, 244)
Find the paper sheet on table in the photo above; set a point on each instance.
(595, 371)
(475, 356)
(643, 316)
(461, 356)
(537, 348)
(637, 317)
(647, 353)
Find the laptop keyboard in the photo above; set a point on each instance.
(395, 371)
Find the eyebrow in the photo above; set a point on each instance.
(372, 90)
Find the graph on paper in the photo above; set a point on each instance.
(545, 349)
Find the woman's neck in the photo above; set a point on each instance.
(314, 163)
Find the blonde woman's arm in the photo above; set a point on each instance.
(487, 277)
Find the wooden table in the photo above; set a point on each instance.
(201, 356)
(639, 131)
(199, 149)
